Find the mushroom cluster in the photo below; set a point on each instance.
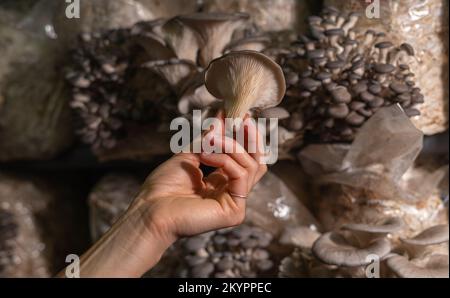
(339, 77)
(347, 251)
(97, 81)
(229, 253)
(8, 231)
(150, 71)
(424, 255)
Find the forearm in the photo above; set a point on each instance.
(129, 249)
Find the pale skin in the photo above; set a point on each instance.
(176, 201)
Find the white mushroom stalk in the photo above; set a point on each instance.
(245, 80)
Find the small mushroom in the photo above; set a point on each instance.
(432, 266)
(155, 47)
(418, 245)
(333, 249)
(245, 80)
(215, 31)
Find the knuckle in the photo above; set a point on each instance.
(263, 168)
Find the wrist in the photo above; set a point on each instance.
(129, 249)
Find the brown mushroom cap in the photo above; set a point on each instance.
(390, 225)
(154, 46)
(245, 80)
(256, 43)
(434, 266)
(275, 112)
(215, 31)
(195, 96)
(332, 248)
(431, 236)
(181, 39)
(176, 72)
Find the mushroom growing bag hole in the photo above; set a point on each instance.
(271, 207)
(374, 177)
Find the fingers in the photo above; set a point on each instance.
(255, 146)
(238, 154)
(252, 142)
(237, 175)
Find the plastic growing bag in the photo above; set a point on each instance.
(424, 25)
(371, 178)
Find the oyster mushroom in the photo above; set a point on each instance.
(345, 77)
(154, 45)
(333, 249)
(257, 43)
(364, 233)
(181, 39)
(245, 80)
(176, 72)
(433, 266)
(418, 245)
(195, 96)
(214, 30)
(243, 251)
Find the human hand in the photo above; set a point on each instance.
(181, 201)
(178, 200)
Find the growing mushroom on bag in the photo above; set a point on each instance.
(374, 178)
(424, 25)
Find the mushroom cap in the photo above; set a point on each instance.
(195, 96)
(332, 248)
(390, 225)
(181, 39)
(434, 235)
(302, 236)
(200, 19)
(275, 112)
(175, 71)
(436, 266)
(154, 46)
(245, 80)
(214, 31)
(255, 43)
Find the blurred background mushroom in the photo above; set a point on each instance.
(424, 25)
(339, 76)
